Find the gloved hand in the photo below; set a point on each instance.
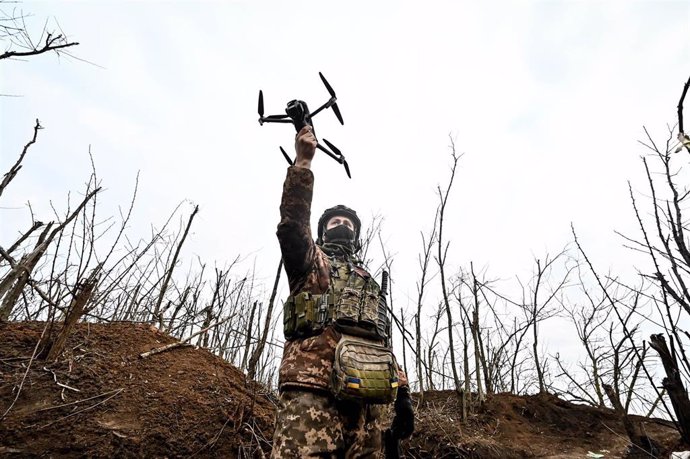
(403, 422)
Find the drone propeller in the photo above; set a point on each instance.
(340, 158)
(333, 148)
(328, 86)
(336, 110)
(270, 118)
(331, 102)
(347, 169)
(290, 162)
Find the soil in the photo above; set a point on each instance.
(181, 403)
(543, 426)
(100, 399)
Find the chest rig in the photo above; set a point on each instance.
(353, 303)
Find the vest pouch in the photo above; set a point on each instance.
(369, 313)
(304, 314)
(347, 309)
(289, 317)
(364, 371)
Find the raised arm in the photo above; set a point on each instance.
(294, 230)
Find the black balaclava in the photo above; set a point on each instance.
(339, 241)
(340, 234)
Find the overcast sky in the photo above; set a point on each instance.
(546, 99)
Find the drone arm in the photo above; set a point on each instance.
(329, 153)
(326, 105)
(274, 120)
(337, 156)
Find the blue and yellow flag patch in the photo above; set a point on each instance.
(353, 383)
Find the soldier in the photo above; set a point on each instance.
(338, 368)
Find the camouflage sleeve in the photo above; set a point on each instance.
(294, 231)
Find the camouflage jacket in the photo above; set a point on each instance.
(307, 362)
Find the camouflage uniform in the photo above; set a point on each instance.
(311, 423)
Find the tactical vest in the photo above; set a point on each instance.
(353, 303)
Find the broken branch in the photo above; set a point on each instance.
(7, 178)
(51, 44)
(184, 341)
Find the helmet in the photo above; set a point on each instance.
(332, 212)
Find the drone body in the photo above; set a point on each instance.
(297, 113)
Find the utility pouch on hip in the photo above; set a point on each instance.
(305, 314)
(364, 371)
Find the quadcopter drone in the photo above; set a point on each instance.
(298, 114)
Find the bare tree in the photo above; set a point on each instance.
(423, 258)
(169, 271)
(670, 259)
(441, 261)
(431, 347)
(589, 318)
(76, 309)
(629, 336)
(258, 350)
(539, 309)
(18, 277)
(480, 355)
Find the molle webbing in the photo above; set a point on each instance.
(364, 370)
(353, 302)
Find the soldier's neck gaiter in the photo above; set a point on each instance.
(345, 251)
(340, 234)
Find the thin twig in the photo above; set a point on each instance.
(58, 382)
(627, 439)
(75, 402)
(117, 391)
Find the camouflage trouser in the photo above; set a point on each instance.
(314, 425)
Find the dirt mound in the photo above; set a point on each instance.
(101, 400)
(511, 426)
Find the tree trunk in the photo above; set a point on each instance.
(418, 346)
(259, 349)
(203, 340)
(467, 397)
(535, 349)
(16, 279)
(404, 333)
(673, 384)
(477, 358)
(633, 430)
(248, 337)
(76, 310)
(478, 344)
